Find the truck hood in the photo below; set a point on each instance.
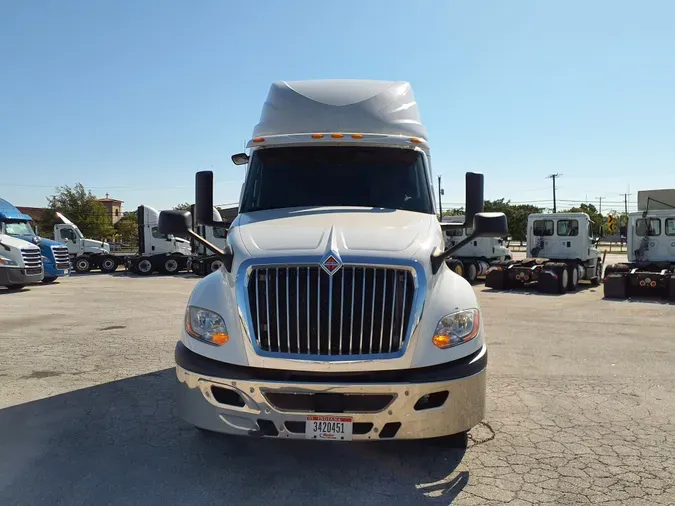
(91, 243)
(356, 230)
(39, 241)
(15, 242)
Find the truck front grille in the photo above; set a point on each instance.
(304, 311)
(61, 257)
(32, 260)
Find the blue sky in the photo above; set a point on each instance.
(132, 98)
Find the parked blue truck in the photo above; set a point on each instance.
(55, 257)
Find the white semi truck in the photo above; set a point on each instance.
(473, 259)
(20, 260)
(334, 315)
(650, 237)
(203, 261)
(561, 252)
(156, 252)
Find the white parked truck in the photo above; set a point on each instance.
(561, 252)
(651, 252)
(156, 252)
(473, 259)
(334, 315)
(204, 261)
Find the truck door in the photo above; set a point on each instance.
(670, 238)
(573, 241)
(66, 235)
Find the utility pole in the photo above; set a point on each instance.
(625, 201)
(440, 194)
(600, 209)
(553, 176)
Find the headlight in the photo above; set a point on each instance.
(206, 326)
(457, 328)
(45, 260)
(7, 262)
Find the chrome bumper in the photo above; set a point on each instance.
(259, 414)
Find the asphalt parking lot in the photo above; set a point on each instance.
(581, 410)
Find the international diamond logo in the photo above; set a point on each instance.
(331, 265)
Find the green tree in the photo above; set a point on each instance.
(127, 228)
(183, 207)
(82, 208)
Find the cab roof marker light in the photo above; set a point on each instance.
(357, 136)
(337, 136)
(317, 136)
(258, 139)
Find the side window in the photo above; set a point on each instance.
(542, 227)
(670, 226)
(568, 228)
(67, 233)
(156, 234)
(649, 227)
(220, 233)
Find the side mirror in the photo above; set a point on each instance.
(240, 159)
(490, 225)
(474, 200)
(204, 197)
(174, 222)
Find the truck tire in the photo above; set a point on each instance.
(144, 266)
(82, 265)
(573, 277)
(471, 272)
(48, 281)
(170, 265)
(595, 280)
(456, 266)
(108, 264)
(553, 278)
(671, 287)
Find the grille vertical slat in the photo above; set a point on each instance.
(405, 288)
(276, 287)
(267, 306)
(393, 313)
(288, 317)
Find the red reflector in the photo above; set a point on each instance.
(642, 283)
(653, 284)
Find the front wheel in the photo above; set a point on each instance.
(471, 272)
(456, 266)
(82, 265)
(595, 280)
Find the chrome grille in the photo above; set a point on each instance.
(304, 311)
(61, 257)
(32, 260)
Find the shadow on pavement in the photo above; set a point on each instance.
(121, 443)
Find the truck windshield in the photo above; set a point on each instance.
(317, 176)
(18, 228)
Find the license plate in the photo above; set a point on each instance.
(334, 428)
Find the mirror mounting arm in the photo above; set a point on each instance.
(437, 259)
(226, 255)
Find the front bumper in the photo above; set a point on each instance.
(413, 404)
(18, 276)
